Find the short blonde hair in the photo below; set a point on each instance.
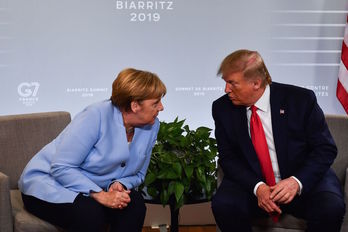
(135, 85)
(250, 63)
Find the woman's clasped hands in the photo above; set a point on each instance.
(116, 197)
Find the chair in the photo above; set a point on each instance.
(338, 126)
(21, 137)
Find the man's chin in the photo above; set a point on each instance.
(235, 102)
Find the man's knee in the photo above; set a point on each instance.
(334, 209)
(330, 207)
(230, 207)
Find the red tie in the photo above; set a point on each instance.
(260, 145)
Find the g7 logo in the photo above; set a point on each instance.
(26, 89)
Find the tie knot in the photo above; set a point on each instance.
(253, 109)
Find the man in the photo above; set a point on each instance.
(275, 150)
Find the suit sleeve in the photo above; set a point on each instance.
(75, 145)
(230, 156)
(320, 146)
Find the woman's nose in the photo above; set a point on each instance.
(160, 107)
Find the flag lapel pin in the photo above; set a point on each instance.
(282, 111)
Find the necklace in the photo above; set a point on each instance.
(130, 130)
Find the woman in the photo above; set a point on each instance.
(86, 178)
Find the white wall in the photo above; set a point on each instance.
(64, 55)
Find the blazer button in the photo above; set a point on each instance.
(123, 164)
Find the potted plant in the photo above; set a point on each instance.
(182, 167)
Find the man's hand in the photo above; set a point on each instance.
(284, 191)
(263, 194)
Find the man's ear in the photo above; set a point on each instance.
(257, 83)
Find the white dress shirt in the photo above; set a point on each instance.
(264, 111)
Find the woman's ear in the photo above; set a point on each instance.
(135, 106)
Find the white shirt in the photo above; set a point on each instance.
(264, 111)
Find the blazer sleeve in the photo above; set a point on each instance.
(135, 180)
(73, 148)
(230, 156)
(320, 146)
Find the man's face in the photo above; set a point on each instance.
(239, 90)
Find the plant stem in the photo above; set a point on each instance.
(174, 216)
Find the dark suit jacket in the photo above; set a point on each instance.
(304, 146)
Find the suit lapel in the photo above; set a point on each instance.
(245, 140)
(279, 127)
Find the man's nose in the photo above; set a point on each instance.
(227, 88)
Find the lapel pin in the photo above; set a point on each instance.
(282, 111)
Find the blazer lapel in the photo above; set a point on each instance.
(279, 127)
(245, 140)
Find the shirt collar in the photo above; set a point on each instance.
(263, 103)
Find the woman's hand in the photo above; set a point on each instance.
(116, 186)
(113, 199)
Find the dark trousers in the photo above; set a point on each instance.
(85, 214)
(234, 209)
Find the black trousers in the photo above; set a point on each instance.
(234, 209)
(85, 214)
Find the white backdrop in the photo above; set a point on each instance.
(64, 55)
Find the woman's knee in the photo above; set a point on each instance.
(137, 204)
(88, 214)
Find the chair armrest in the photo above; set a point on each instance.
(6, 223)
(345, 220)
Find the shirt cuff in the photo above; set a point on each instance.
(299, 184)
(256, 186)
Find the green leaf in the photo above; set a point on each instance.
(180, 202)
(177, 168)
(179, 190)
(201, 175)
(152, 192)
(187, 128)
(168, 174)
(188, 171)
(171, 187)
(164, 197)
(208, 186)
(150, 178)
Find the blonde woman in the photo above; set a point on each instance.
(85, 179)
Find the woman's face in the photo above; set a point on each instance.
(148, 111)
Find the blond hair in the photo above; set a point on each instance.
(250, 63)
(135, 85)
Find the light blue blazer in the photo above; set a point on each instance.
(88, 155)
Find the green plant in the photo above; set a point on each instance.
(183, 164)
